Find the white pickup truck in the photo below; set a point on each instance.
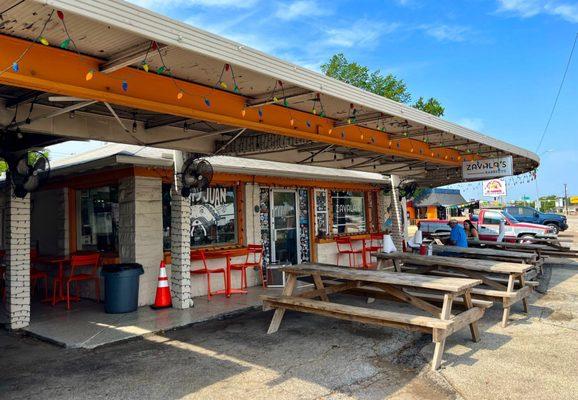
(488, 224)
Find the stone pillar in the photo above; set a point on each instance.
(17, 259)
(396, 214)
(180, 251)
(141, 230)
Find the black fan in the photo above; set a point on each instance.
(28, 171)
(407, 190)
(196, 176)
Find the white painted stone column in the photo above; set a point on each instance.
(17, 259)
(141, 230)
(181, 251)
(396, 214)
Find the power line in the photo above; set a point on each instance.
(558, 94)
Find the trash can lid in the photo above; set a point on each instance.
(122, 269)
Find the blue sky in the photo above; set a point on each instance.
(494, 64)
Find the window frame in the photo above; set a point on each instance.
(363, 209)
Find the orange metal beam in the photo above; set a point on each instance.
(64, 72)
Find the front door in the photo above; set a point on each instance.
(284, 232)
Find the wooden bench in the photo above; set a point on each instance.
(540, 249)
(440, 324)
(490, 272)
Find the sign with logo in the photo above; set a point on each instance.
(573, 200)
(487, 168)
(494, 188)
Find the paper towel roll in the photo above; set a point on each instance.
(388, 246)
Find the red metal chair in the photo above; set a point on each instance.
(254, 259)
(345, 247)
(36, 274)
(83, 261)
(375, 246)
(200, 255)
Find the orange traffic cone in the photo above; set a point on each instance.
(163, 297)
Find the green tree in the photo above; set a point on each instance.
(431, 106)
(32, 159)
(389, 85)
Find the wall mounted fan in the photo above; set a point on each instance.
(27, 172)
(196, 176)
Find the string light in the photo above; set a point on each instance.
(65, 43)
(161, 69)
(207, 102)
(15, 67)
(124, 85)
(180, 95)
(89, 75)
(292, 122)
(44, 41)
(60, 15)
(145, 67)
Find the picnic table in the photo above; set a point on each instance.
(490, 272)
(490, 254)
(443, 322)
(541, 249)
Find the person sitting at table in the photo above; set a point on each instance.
(471, 230)
(458, 235)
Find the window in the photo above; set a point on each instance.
(348, 212)
(214, 217)
(321, 213)
(99, 217)
(493, 218)
(421, 212)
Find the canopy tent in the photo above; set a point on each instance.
(110, 70)
(440, 197)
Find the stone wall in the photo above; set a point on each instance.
(141, 230)
(16, 225)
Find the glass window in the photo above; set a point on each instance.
(493, 218)
(99, 217)
(348, 212)
(214, 217)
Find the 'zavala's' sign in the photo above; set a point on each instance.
(487, 168)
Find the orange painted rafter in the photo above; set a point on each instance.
(59, 71)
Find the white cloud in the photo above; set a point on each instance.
(446, 33)
(531, 8)
(168, 4)
(362, 33)
(475, 124)
(300, 9)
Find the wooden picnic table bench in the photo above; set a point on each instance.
(489, 272)
(440, 325)
(490, 254)
(540, 249)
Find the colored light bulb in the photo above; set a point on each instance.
(180, 95)
(223, 85)
(330, 131)
(44, 41)
(207, 102)
(145, 66)
(60, 14)
(285, 102)
(308, 123)
(260, 111)
(89, 75)
(161, 69)
(243, 112)
(275, 99)
(314, 111)
(124, 85)
(65, 43)
(236, 89)
(292, 122)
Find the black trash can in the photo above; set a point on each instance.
(121, 283)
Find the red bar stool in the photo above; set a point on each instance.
(254, 259)
(36, 274)
(375, 246)
(84, 260)
(345, 247)
(200, 255)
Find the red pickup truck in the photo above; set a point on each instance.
(488, 224)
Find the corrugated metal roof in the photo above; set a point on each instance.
(441, 198)
(107, 27)
(225, 164)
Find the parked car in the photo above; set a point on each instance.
(557, 222)
(488, 223)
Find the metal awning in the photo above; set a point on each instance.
(271, 110)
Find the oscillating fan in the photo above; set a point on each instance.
(28, 171)
(196, 176)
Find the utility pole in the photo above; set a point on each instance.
(566, 198)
